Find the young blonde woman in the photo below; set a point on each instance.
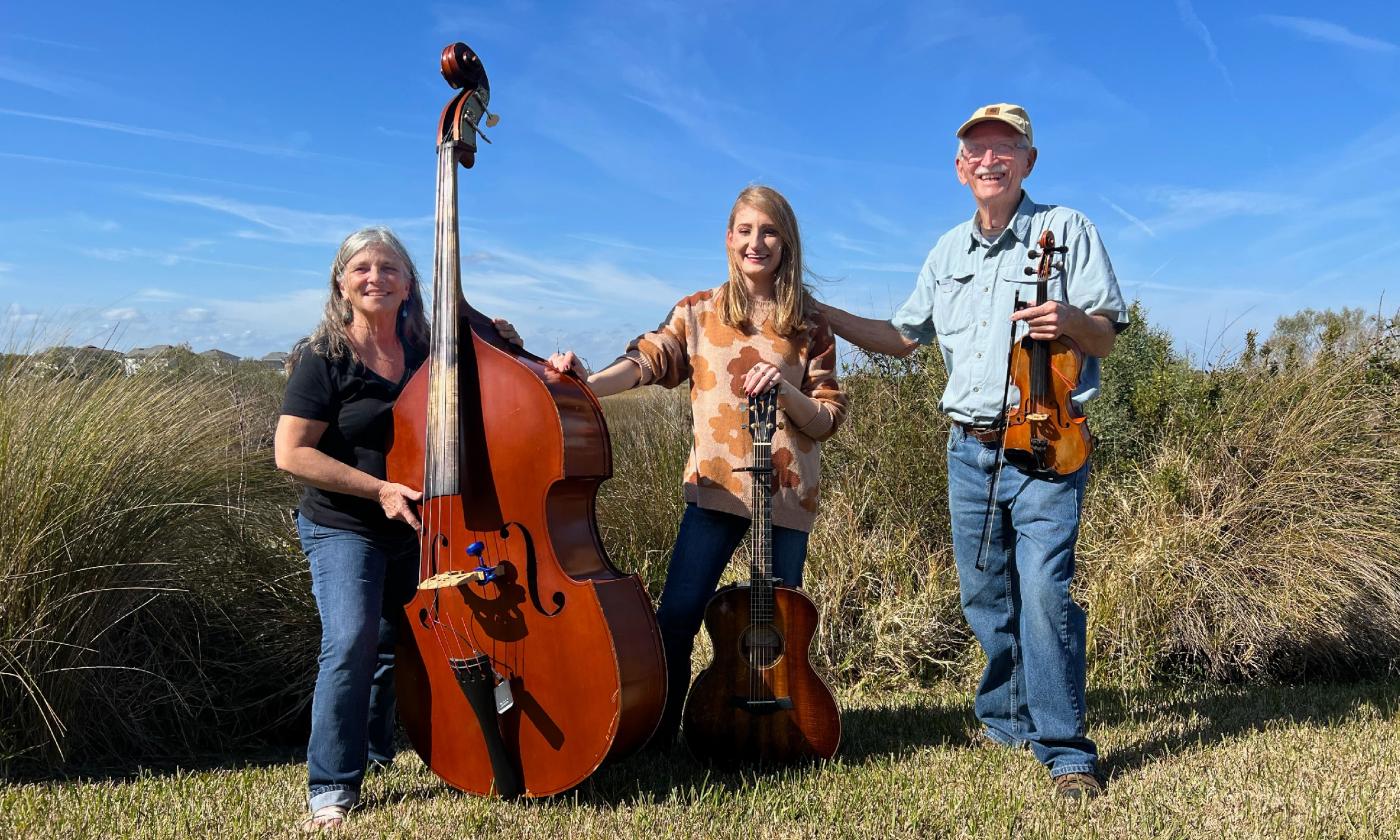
(760, 329)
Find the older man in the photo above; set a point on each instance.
(1016, 598)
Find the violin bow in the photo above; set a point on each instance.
(1001, 450)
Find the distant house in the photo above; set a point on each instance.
(275, 360)
(221, 361)
(79, 361)
(155, 357)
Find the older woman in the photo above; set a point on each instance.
(357, 529)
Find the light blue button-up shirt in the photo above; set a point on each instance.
(967, 290)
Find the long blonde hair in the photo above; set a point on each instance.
(329, 339)
(790, 293)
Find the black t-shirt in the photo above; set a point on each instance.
(358, 404)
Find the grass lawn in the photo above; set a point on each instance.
(1275, 762)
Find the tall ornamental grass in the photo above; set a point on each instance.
(1259, 537)
(150, 599)
(1240, 523)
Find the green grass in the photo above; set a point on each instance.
(1267, 762)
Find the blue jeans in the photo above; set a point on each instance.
(1019, 606)
(704, 545)
(361, 585)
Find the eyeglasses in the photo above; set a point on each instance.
(976, 151)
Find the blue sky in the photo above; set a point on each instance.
(184, 173)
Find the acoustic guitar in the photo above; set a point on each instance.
(760, 701)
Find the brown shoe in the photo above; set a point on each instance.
(1079, 786)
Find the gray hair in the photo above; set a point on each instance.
(329, 339)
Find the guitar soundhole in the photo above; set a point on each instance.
(762, 645)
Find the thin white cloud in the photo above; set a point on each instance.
(876, 220)
(1186, 208)
(284, 224)
(1327, 32)
(859, 246)
(609, 242)
(107, 166)
(583, 129)
(1214, 203)
(1198, 28)
(164, 295)
(17, 317)
(699, 116)
(49, 42)
(175, 258)
(282, 318)
(886, 268)
(591, 281)
(26, 75)
(491, 20)
(84, 221)
(124, 313)
(1129, 216)
(161, 134)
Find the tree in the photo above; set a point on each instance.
(1298, 339)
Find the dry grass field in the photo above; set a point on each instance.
(1314, 762)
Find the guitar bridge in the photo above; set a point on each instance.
(762, 707)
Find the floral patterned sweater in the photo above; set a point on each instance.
(694, 344)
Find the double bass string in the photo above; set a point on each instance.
(440, 472)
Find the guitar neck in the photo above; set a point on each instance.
(761, 535)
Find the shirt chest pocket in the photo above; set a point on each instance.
(955, 301)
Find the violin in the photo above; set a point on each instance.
(528, 659)
(1046, 431)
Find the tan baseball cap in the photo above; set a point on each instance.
(1013, 115)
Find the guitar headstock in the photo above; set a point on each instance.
(762, 416)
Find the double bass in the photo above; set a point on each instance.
(760, 701)
(527, 659)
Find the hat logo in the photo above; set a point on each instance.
(992, 112)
